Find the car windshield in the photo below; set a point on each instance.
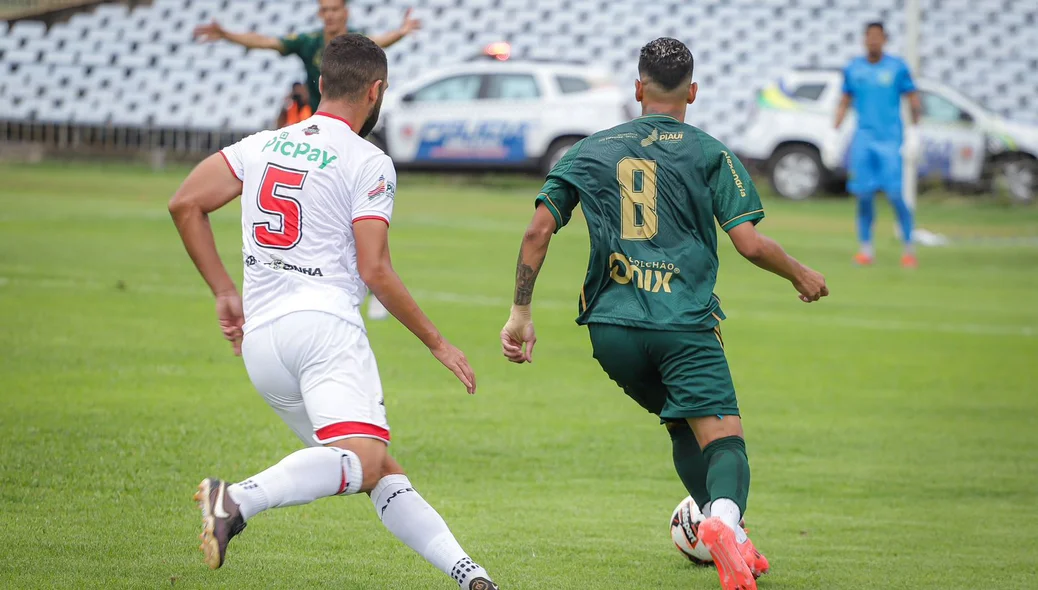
(960, 99)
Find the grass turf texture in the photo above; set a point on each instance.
(891, 428)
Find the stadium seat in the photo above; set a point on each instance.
(739, 44)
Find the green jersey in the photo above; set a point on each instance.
(309, 47)
(651, 190)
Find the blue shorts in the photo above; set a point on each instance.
(874, 165)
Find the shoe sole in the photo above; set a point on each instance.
(210, 547)
(731, 567)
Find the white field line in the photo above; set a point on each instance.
(151, 283)
(467, 300)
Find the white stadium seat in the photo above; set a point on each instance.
(739, 45)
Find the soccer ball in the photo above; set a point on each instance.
(684, 526)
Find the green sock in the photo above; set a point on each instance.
(728, 474)
(689, 462)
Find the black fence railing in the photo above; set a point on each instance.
(101, 139)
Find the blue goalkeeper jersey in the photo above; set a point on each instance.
(876, 89)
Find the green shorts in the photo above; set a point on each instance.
(675, 375)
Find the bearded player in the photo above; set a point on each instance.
(651, 190)
(309, 47)
(317, 200)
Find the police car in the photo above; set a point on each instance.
(496, 112)
(963, 143)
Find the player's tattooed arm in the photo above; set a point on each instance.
(518, 337)
(525, 277)
(531, 254)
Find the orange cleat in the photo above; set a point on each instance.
(756, 561)
(732, 569)
(909, 261)
(863, 259)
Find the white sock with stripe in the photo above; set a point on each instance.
(412, 520)
(300, 478)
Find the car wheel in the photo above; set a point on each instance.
(796, 172)
(556, 150)
(1016, 178)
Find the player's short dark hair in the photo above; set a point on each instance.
(351, 63)
(667, 62)
(875, 25)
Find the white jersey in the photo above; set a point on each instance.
(303, 187)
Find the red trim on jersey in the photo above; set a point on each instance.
(331, 116)
(378, 217)
(346, 429)
(231, 168)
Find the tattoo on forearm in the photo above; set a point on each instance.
(525, 277)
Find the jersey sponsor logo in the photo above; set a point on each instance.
(648, 276)
(279, 264)
(661, 137)
(380, 188)
(473, 141)
(735, 175)
(311, 130)
(384, 187)
(628, 135)
(281, 145)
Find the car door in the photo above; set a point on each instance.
(429, 118)
(512, 111)
(470, 119)
(953, 145)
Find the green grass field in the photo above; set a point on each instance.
(892, 429)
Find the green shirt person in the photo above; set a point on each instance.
(308, 46)
(653, 192)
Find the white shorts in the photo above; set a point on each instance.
(317, 371)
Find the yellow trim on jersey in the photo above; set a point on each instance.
(555, 211)
(583, 300)
(725, 224)
(656, 115)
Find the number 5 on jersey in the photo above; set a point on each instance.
(638, 217)
(274, 199)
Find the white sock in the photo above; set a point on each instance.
(300, 478)
(740, 533)
(727, 511)
(412, 520)
(867, 249)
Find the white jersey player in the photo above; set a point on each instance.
(317, 200)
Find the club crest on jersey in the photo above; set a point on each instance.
(311, 130)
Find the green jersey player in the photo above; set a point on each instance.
(651, 190)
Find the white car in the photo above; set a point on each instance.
(495, 112)
(963, 143)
